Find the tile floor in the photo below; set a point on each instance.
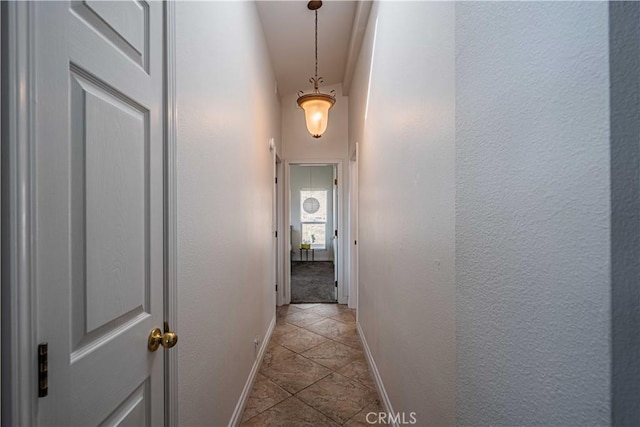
(314, 372)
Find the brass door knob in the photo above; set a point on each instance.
(167, 339)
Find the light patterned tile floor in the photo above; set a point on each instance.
(314, 372)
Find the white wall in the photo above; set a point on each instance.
(406, 204)
(227, 111)
(533, 213)
(316, 178)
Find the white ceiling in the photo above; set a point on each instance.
(289, 30)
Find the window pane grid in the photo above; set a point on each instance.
(314, 234)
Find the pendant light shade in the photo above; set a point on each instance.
(316, 105)
(316, 112)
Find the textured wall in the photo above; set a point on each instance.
(227, 111)
(532, 213)
(406, 203)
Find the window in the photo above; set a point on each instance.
(313, 216)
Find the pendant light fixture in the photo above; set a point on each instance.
(316, 105)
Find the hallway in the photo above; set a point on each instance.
(314, 372)
(485, 173)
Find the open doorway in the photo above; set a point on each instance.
(313, 225)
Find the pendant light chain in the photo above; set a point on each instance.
(316, 43)
(316, 105)
(316, 81)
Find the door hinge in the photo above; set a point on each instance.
(43, 369)
(335, 181)
(276, 287)
(355, 242)
(335, 233)
(276, 234)
(336, 283)
(276, 180)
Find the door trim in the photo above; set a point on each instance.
(277, 220)
(339, 221)
(18, 295)
(353, 229)
(170, 212)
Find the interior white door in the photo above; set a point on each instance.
(98, 167)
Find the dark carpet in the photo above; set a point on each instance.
(312, 281)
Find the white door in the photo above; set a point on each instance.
(98, 167)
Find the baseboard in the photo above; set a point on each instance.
(244, 396)
(382, 392)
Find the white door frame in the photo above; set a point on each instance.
(343, 290)
(279, 229)
(274, 216)
(18, 293)
(171, 212)
(18, 305)
(353, 228)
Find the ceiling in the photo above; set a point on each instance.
(289, 30)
